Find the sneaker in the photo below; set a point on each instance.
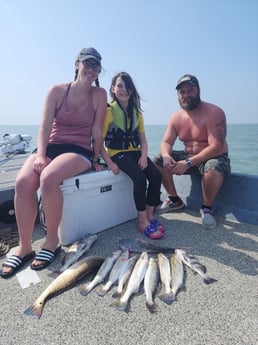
(169, 205)
(208, 221)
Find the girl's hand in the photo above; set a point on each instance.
(143, 162)
(114, 168)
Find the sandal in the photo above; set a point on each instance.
(152, 232)
(157, 224)
(15, 262)
(46, 256)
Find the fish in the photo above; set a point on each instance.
(140, 245)
(77, 250)
(65, 280)
(114, 274)
(178, 275)
(101, 274)
(136, 277)
(151, 281)
(166, 294)
(195, 266)
(125, 275)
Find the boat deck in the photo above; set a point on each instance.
(221, 313)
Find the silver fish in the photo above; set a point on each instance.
(77, 250)
(114, 274)
(166, 294)
(151, 281)
(65, 280)
(101, 274)
(134, 282)
(125, 275)
(178, 274)
(195, 265)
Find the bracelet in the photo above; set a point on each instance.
(188, 163)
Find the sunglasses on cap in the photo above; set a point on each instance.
(91, 64)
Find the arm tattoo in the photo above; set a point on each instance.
(221, 131)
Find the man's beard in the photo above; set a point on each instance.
(190, 104)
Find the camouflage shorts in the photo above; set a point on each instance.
(220, 163)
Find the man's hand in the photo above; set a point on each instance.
(179, 168)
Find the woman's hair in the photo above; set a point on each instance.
(76, 75)
(135, 99)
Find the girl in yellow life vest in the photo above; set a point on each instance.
(127, 149)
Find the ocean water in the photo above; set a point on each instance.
(242, 140)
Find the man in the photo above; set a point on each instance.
(201, 126)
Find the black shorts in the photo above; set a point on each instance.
(54, 150)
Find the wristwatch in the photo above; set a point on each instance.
(188, 162)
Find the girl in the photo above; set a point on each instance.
(125, 141)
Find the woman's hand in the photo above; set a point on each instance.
(39, 164)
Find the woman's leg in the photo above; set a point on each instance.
(59, 169)
(25, 202)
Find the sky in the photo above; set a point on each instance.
(156, 42)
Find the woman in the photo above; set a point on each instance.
(125, 140)
(69, 143)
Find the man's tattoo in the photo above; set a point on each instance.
(221, 131)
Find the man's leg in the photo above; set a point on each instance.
(212, 181)
(173, 202)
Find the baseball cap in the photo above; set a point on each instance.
(89, 53)
(188, 78)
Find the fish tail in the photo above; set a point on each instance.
(209, 280)
(152, 307)
(117, 294)
(167, 298)
(121, 306)
(35, 309)
(101, 291)
(84, 289)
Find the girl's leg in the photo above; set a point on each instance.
(128, 162)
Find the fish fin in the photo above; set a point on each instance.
(209, 280)
(35, 309)
(54, 274)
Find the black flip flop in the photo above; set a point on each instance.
(46, 256)
(15, 262)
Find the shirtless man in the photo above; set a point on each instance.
(201, 126)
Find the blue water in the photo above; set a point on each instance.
(242, 140)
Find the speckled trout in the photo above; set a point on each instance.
(134, 282)
(166, 294)
(151, 281)
(101, 274)
(114, 274)
(195, 265)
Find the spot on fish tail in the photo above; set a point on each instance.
(34, 310)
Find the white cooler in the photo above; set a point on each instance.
(93, 202)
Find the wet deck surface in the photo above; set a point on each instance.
(222, 313)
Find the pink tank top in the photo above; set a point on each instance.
(73, 127)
